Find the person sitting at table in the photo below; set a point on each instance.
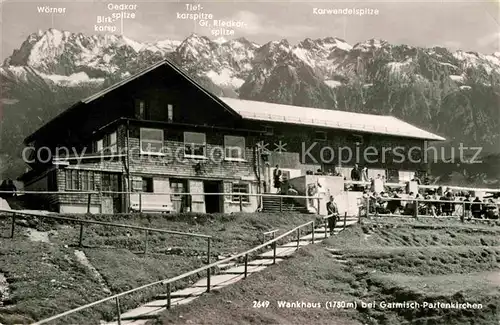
(394, 206)
(491, 210)
(476, 208)
(447, 208)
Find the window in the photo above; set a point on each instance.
(195, 144)
(241, 188)
(71, 179)
(320, 135)
(105, 141)
(52, 181)
(176, 186)
(170, 112)
(147, 184)
(108, 143)
(151, 140)
(80, 180)
(111, 183)
(268, 130)
(141, 111)
(234, 147)
(113, 146)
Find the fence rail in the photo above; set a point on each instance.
(147, 230)
(168, 282)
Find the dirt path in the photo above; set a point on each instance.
(82, 258)
(494, 278)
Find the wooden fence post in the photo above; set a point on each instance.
(298, 237)
(119, 314)
(274, 252)
(312, 232)
(208, 250)
(246, 265)
(80, 240)
(415, 213)
(146, 242)
(169, 300)
(462, 218)
(208, 280)
(13, 225)
(208, 261)
(281, 204)
(241, 204)
(88, 203)
(368, 207)
(140, 202)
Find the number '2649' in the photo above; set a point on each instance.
(260, 304)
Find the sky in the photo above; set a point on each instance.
(466, 25)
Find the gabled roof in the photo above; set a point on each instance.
(119, 84)
(326, 118)
(149, 69)
(123, 82)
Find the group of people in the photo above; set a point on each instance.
(330, 172)
(440, 202)
(434, 203)
(361, 175)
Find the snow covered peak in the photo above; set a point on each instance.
(61, 52)
(275, 46)
(334, 42)
(220, 40)
(133, 44)
(162, 47)
(196, 46)
(245, 42)
(168, 43)
(370, 45)
(325, 47)
(196, 40)
(51, 44)
(473, 59)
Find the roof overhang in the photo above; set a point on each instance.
(328, 119)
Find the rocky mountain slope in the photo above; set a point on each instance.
(455, 94)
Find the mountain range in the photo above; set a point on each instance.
(454, 94)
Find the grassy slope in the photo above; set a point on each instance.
(46, 278)
(390, 264)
